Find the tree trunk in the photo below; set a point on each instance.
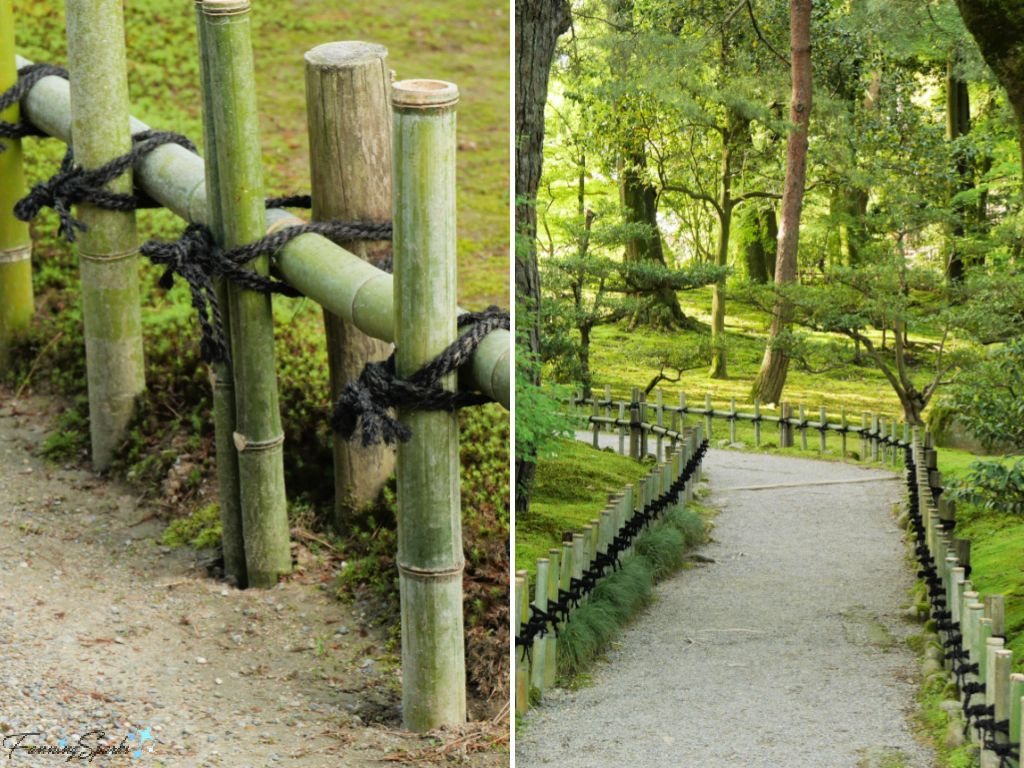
(640, 203)
(538, 26)
(998, 28)
(772, 376)
(585, 378)
(958, 123)
(725, 203)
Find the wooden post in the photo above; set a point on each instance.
(645, 433)
(349, 119)
(608, 403)
(429, 516)
(224, 405)
(550, 642)
(622, 429)
(521, 660)
(785, 428)
(634, 421)
(864, 436)
(823, 420)
(596, 425)
(540, 600)
(803, 428)
(108, 249)
(1002, 668)
(659, 414)
(16, 302)
(707, 414)
(682, 411)
(842, 435)
(1016, 710)
(757, 422)
(258, 437)
(874, 437)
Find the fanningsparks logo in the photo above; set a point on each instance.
(88, 747)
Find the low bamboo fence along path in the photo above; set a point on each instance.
(565, 579)
(392, 147)
(969, 627)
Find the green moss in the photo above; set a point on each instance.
(200, 529)
(571, 488)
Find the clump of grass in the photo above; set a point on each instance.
(618, 597)
(201, 529)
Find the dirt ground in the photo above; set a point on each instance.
(102, 629)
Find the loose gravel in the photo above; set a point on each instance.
(787, 651)
(104, 630)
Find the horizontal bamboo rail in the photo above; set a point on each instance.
(336, 279)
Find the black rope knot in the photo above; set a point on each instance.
(368, 401)
(74, 184)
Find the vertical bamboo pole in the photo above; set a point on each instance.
(634, 419)
(732, 419)
(622, 429)
(707, 413)
(757, 422)
(823, 420)
(258, 435)
(429, 516)
(803, 428)
(540, 648)
(108, 249)
(550, 642)
(864, 436)
(349, 121)
(842, 435)
(1016, 693)
(659, 412)
(874, 437)
(682, 411)
(596, 425)
(16, 304)
(232, 538)
(521, 664)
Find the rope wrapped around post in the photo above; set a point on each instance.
(367, 402)
(28, 76)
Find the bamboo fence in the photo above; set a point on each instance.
(595, 552)
(968, 640)
(415, 309)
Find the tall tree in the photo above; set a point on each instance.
(772, 376)
(539, 24)
(998, 28)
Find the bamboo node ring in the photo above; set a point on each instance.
(108, 257)
(14, 255)
(428, 574)
(224, 7)
(424, 94)
(245, 445)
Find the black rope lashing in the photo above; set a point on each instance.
(367, 402)
(74, 184)
(197, 259)
(28, 76)
(609, 559)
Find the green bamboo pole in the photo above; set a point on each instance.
(108, 249)
(333, 277)
(232, 538)
(430, 560)
(16, 304)
(258, 437)
(349, 119)
(520, 659)
(550, 641)
(538, 671)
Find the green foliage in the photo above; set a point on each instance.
(618, 597)
(539, 409)
(989, 398)
(994, 486)
(200, 529)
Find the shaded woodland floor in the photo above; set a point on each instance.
(104, 629)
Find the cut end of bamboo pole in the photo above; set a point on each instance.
(224, 7)
(424, 94)
(344, 54)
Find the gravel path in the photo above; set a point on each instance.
(102, 629)
(788, 651)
